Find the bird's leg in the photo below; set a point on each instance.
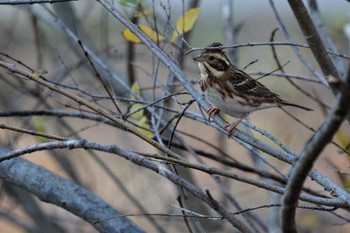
(230, 127)
(212, 111)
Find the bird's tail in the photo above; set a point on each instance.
(296, 106)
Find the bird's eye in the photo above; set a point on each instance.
(211, 58)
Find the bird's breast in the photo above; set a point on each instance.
(233, 105)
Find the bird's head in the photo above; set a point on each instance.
(213, 60)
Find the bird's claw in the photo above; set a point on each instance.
(212, 111)
(230, 127)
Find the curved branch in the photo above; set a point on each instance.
(309, 155)
(61, 192)
(133, 157)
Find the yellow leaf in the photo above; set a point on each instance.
(345, 182)
(128, 35)
(185, 23)
(131, 37)
(342, 138)
(38, 73)
(144, 13)
(139, 114)
(145, 126)
(136, 89)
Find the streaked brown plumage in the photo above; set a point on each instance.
(232, 90)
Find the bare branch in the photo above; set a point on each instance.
(252, 44)
(314, 174)
(97, 109)
(137, 159)
(313, 38)
(312, 150)
(114, 149)
(327, 40)
(57, 190)
(22, 2)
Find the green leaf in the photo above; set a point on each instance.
(39, 126)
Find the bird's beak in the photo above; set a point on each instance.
(198, 58)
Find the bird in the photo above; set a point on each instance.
(230, 89)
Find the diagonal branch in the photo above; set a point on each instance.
(313, 39)
(327, 40)
(286, 157)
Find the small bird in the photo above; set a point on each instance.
(231, 89)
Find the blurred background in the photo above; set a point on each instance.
(32, 35)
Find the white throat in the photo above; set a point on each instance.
(202, 70)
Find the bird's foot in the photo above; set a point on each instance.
(230, 127)
(212, 111)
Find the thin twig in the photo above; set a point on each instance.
(31, 2)
(252, 44)
(102, 81)
(33, 132)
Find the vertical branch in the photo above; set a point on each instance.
(227, 14)
(37, 40)
(315, 15)
(313, 38)
(130, 51)
(105, 31)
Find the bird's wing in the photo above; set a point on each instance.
(242, 83)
